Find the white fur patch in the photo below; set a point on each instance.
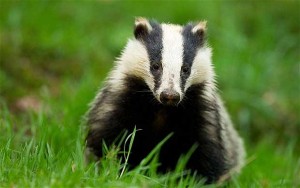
(172, 55)
(202, 71)
(133, 61)
(202, 68)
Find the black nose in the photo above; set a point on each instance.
(169, 97)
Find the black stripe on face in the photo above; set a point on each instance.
(191, 43)
(154, 46)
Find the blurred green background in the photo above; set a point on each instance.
(55, 55)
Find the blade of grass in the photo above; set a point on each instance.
(126, 155)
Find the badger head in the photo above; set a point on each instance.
(169, 58)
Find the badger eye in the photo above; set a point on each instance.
(185, 69)
(155, 67)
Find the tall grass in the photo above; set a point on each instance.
(38, 162)
(53, 156)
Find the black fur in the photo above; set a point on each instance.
(154, 46)
(135, 107)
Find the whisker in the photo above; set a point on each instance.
(184, 99)
(154, 100)
(145, 91)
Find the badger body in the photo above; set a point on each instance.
(164, 83)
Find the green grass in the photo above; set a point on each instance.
(60, 52)
(52, 155)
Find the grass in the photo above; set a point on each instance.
(53, 157)
(59, 52)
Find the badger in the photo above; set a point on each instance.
(164, 82)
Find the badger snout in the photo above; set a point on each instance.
(169, 97)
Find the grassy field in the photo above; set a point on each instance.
(54, 56)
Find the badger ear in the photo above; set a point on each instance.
(142, 27)
(200, 29)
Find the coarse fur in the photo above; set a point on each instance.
(164, 83)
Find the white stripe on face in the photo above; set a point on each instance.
(172, 55)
